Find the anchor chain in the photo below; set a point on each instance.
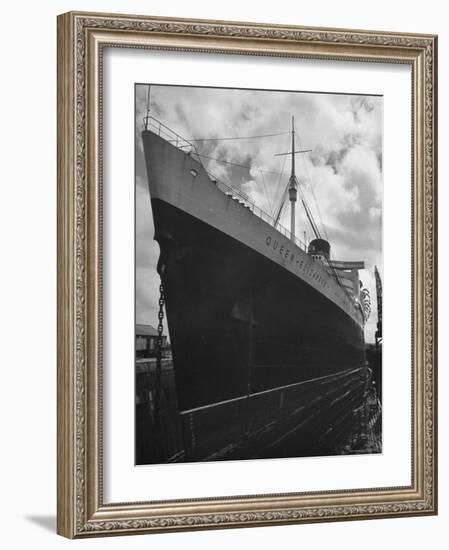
(159, 345)
(160, 316)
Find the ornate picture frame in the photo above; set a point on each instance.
(82, 39)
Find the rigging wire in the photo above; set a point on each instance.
(231, 185)
(239, 165)
(270, 204)
(282, 205)
(309, 214)
(311, 186)
(238, 137)
(284, 193)
(283, 167)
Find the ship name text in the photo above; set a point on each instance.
(301, 264)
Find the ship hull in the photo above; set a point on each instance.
(240, 323)
(248, 310)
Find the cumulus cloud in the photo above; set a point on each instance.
(341, 177)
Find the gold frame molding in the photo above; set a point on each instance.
(81, 37)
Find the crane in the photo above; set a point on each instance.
(379, 306)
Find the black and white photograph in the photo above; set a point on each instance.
(258, 274)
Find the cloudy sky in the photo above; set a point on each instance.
(341, 177)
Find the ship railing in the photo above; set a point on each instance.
(160, 129)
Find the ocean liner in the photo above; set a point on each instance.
(249, 307)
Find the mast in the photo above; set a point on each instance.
(146, 119)
(292, 187)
